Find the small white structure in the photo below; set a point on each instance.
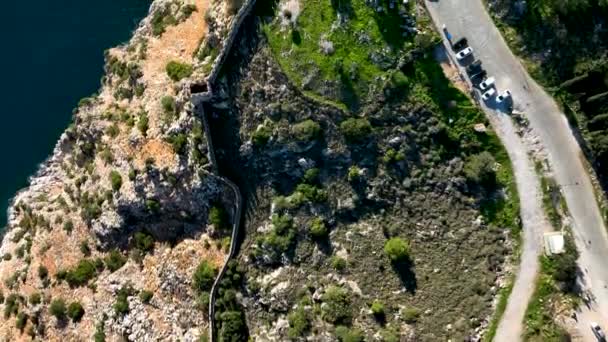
(554, 243)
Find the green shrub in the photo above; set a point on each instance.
(177, 71)
(57, 308)
(116, 180)
(397, 249)
(68, 226)
(121, 306)
(187, 10)
(161, 20)
(312, 193)
(311, 176)
(204, 276)
(479, 168)
(11, 305)
(261, 135)
(43, 272)
(75, 311)
(339, 264)
(113, 130)
(411, 315)
(345, 334)
(306, 130)
(142, 123)
(35, 298)
(355, 129)
(218, 217)
(144, 242)
(146, 296)
(21, 321)
(318, 230)
(114, 260)
(232, 326)
(354, 173)
(337, 305)
(299, 323)
(84, 248)
(378, 308)
(168, 104)
(100, 335)
(202, 301)
(81, 274)
(178, 142)
(153, 206)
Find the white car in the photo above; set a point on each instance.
(464, 53)
(488, 94)
(487, 83)
(597, 331)
(503, 96)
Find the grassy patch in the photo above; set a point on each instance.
(311, 52)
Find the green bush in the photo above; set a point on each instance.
(116, 180)
(75, 311)
(178, 142)
(311, 176)
(312, 193)
(397, 249)
(411, 315)
(261, 135)
(43, 272)
(144, 242)
(153, 206)
(114, 260)
(177, 71)
(356, 129)
(202, 301)
(299, 323)
(306, 130)
(378, 308)
(218, 217)
(11, 305)
(204, 276)
(57, 308)
(318, 230)
(84, 248)
(168, 104)
(21, 321)
(354, 173)
(161, 20)
(479, 168)
(81, 274)
(35, 298)
(142, 123)
(121, 306)
(339, 264)
(345, 334)
(146, 296)
(232, 327)
(113, 130)
(68, 226)
(337, 305)
(187, 10)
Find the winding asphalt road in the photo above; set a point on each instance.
(469, 18)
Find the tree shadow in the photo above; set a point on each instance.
(404, 270)
(348, 93)
(389, 24)
(296, 38)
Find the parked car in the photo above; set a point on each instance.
(598, 332)
(505, 95)
(464, 53)
(488, 94)
(487, 83)
(474, 67)
(478, 77)
(460, 44)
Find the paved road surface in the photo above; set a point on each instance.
(469, 18)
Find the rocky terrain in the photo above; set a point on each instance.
(107, 237)
(390, 218)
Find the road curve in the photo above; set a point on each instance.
(532, 215)
(469, 18)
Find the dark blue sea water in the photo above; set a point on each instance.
(51, 55)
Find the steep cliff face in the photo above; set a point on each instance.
(120, 210)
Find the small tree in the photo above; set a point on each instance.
(75, 311)
(397, 249)
(479, 168)
(378, 308)
(356, 129)
(115, 260)
(306, 130)
(57, 308)
(345, 334)
(204, 276)
(177, 71)
(146, 296)
(116, 180)
(318, 230)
